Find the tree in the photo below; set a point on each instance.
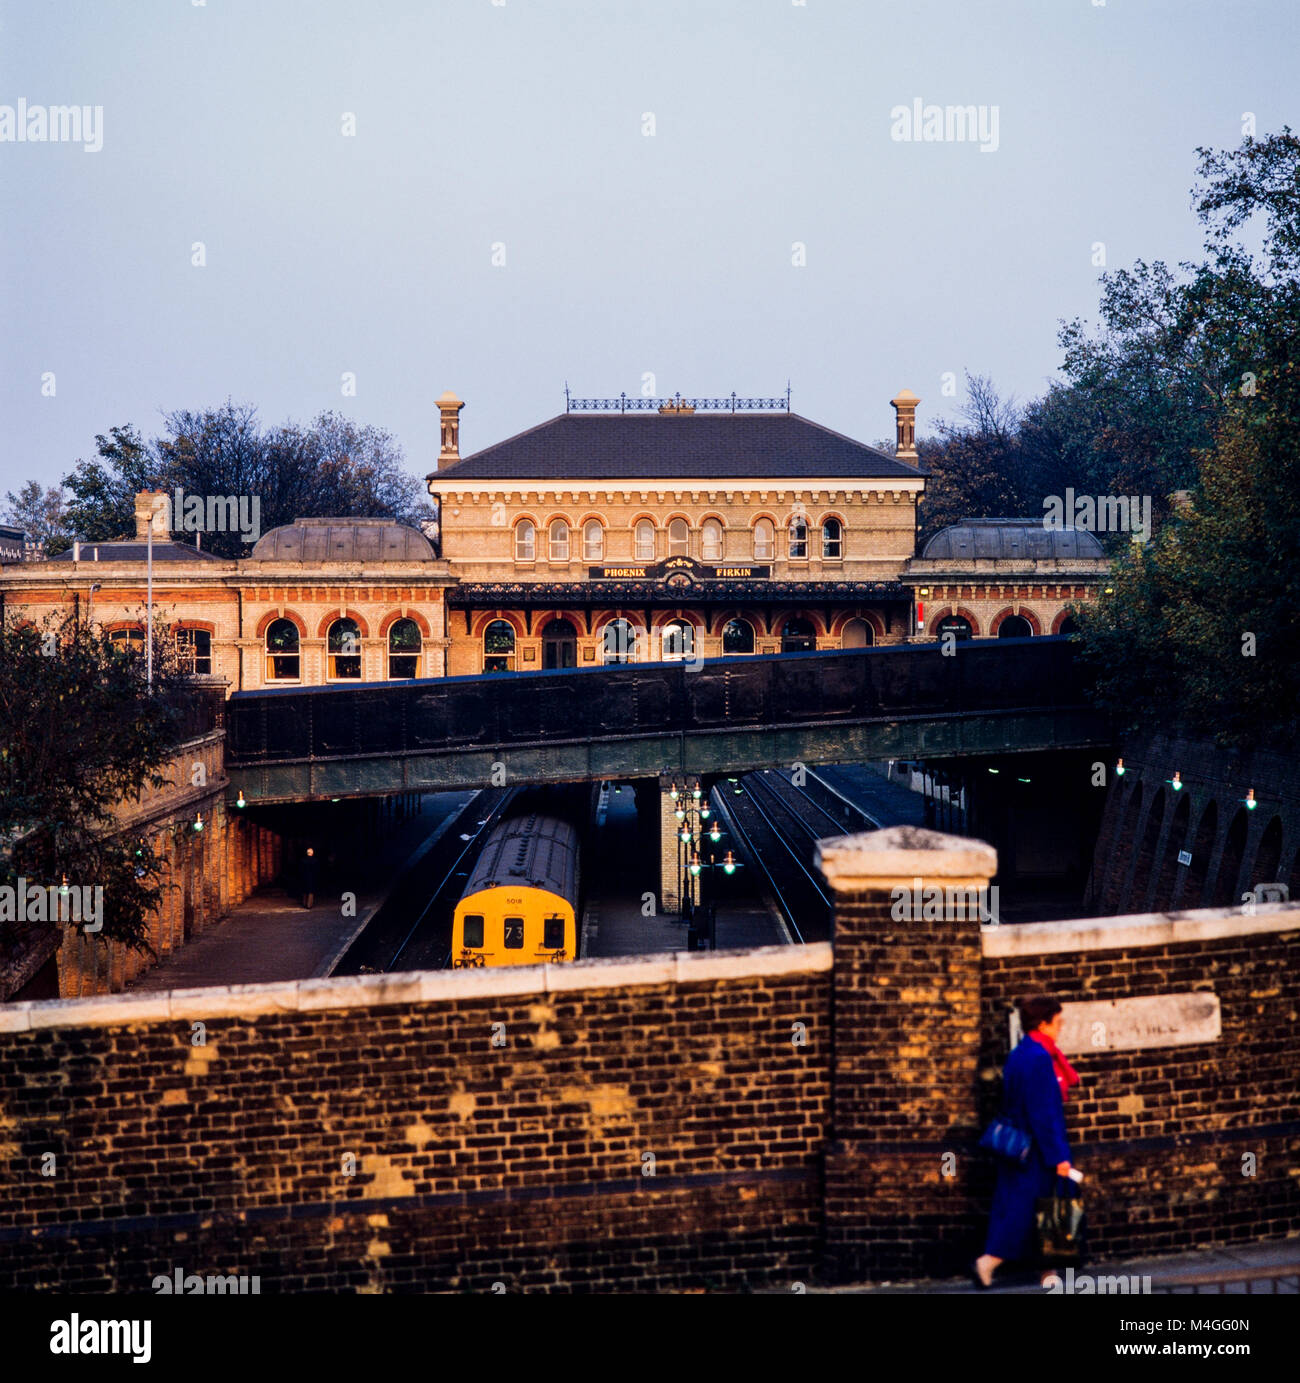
(1204, 628)
(40, 514)
(80, 730)
(103, 505)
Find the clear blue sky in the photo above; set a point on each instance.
(521, 124)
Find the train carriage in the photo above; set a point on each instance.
(520, 905)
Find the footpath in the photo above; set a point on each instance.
(1269, 1267)
(270, 936)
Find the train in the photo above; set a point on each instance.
(521, 901)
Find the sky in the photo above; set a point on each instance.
(312, 205)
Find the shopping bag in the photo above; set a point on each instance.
(1058, 1226)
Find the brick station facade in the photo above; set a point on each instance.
(731, 1120)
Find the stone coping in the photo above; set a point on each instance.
(1137, 929)
(873, 860)
(416, 986)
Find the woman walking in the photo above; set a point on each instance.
(1035, 1084)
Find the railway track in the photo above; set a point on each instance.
(413, 929)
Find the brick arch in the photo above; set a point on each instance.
(118, 625)
(714, 514)
(718, 623)
(393, 616)
(866, 616)
(205, 625)
(362, 624)
(944, 611)
(486, 617)
(813, 618)
(1025, 613)
(603, 617)
(271, 616)
(691, 616)
(562, 516)
(1061, 617)
(834, 514)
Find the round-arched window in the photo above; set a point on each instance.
(764, 541)
(645, 541)
(499, 646)
(798, 537)
(1015, 627)
(593, 541)
(525, 541)
(857, 634)
(738, 636)
(957, 625)
(559, 540)
(678, 640)
(619, 642)
(283, 663)
(679, 538)
(344, 649)
(798, 636)
(711, 540)
(832, 540)
(404, 645)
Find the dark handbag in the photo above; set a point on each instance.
(1058, 1228)
(1004, 1139)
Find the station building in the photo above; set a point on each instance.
(318, 601)
(633, 529)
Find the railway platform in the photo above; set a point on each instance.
(271, 936)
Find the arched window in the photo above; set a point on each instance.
(857, 634)
(679, 538)
(957, 625)
(559, 645)
(499, 647)
(127, 640)
(1015, 627)
(798, 538)
(832, 540)
(645, 541)
(282, 658)
(619, 645)
(738, 636)
(1069, 625)
(344, 648)
(798, 636)
(194, 651)
(593, 541)
(559, 540)
(525, 541)
(711, 540)
(764, 540)
(404, 644)
(678, 640)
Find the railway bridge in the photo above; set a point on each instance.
(979, 698)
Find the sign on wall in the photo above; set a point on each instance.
(1121, 1025)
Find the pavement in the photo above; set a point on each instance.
(1176, 1273)
(270, 936)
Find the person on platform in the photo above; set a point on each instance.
(309, 879)
(1035, 1083)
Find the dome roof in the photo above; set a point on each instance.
(1024, 540)
(343, 540)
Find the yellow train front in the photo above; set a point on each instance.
(520, 905)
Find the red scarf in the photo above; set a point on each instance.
(1066, 1075)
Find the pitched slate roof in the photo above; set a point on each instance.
(670, 446)
(132, 550)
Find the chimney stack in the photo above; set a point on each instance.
(449, 407)
(152, 510)
(905, 425)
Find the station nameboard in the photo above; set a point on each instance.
(680, 566)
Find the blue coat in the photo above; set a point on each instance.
(1031, 1099)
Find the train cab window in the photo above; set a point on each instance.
(553, 934)
(473, 932)
(514, 934)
